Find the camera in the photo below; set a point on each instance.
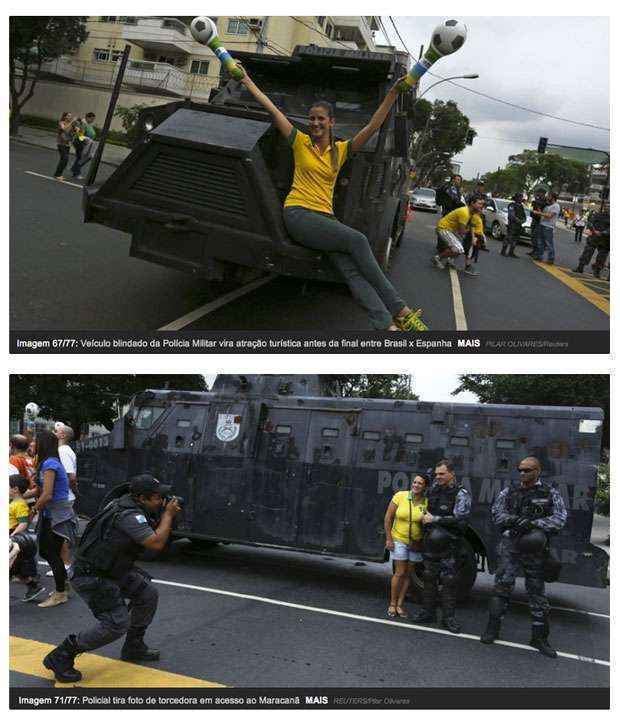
(170, 497)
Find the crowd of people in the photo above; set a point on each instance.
(460, 231)
(79, 133)
(42, 491)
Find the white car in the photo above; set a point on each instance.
(423, 198)
(495, 217)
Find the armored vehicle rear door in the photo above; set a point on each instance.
(324, 487)
(278, 475)
(220, 489)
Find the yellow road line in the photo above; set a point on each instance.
(584, 291)
(26, 656)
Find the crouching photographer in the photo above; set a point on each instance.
(105, 577)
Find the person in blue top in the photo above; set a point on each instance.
(57, 522)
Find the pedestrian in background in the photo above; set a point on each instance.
(84, 144)
(516, 220)
(64, 138)
(598, 241)
(57, 522)
(454, 234)
(579, 224)
(65, 435)
(403, 531)
(548, 221)
(25, 566)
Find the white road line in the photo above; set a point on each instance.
(47, 177)
(215, 304)
(371, 619)
(457, 301)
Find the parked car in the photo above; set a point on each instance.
(496, 219)
(423, 198)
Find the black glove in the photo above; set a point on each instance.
(523, 524)
(510, 521)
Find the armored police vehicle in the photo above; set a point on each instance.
(204, 188)
(282, 461)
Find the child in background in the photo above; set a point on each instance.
(24, 567)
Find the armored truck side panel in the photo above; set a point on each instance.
(203, 191)
(316, 473)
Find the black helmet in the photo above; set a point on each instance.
(533, 541)
(437, 541)
(518, 197)
(27, 544)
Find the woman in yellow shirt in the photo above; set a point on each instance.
(308, 208)
(403, 531)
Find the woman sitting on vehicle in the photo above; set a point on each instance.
(308, 208)
(403, 531)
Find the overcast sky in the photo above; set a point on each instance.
(558, 65)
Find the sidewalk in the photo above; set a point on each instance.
(112, 154)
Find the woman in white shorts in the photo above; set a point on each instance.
(403, 531)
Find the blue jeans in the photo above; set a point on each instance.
(535, 235)
(546, 243)
(350, 251)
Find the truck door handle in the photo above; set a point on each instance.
(179, 222)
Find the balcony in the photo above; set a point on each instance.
(357, 29)
(163, 35)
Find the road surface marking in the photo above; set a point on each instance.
(47, 177)
(457, 300)
(371, 619)
(215, 304)
(561, 273)
(26, 656)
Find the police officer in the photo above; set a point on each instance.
(526, 514)
(516, 219)
(444, 522)
(450, 196)
(104, 576)
(538, 205)
(598, 224)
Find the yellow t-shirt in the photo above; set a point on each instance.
(18, 513)
(400, 527)
(461, 217)
(314, 178)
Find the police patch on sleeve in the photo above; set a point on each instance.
(141, 519)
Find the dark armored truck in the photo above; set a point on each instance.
(278, 461)
(204, 188)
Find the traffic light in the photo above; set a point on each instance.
(469, 140)
(542, 145)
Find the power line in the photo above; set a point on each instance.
(503, 102)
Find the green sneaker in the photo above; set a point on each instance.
(411, 322)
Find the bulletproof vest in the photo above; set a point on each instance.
(517, 208)
(533, 503)
(104, 548)
(538, 204)
(600, 222)
(441, 499)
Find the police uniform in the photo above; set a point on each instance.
(450, 506)
(451, 199)
(516, 219)
(105, 577)
(538, 507)
(599, 222)
(538, 204)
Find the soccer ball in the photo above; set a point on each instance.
(448, 37)
(32, 409)
(203, 29)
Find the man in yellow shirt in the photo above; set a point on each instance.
(456, 231)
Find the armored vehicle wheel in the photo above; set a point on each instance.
(400, 222)
(386, 255)
(496, 230)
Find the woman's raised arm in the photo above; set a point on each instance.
(279, 118)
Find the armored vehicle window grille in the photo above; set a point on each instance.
(282, 429)
(505, 444)
(414, 438)
(147, 416)
(331, 433)
(459, 441)
(183, 423)
(195, 181)
(371, 436)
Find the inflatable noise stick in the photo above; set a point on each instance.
(204, 31)
(422, 65)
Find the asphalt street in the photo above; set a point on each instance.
(69, 276)
(256, 617)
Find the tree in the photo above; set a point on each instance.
(33, 41)
(374, 386)
(542, 389)
(440, 132)
(89, 399)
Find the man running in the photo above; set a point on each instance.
(455, 234)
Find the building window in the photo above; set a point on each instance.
(199, 67)
(329, 30)
(108, 18)
(321, 20)
(237, 27)
(330, 433)
(128, 20)
(371, 436)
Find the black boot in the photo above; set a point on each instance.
(135, 649)
(503, 252)
(60, 660)
(428, 614)
(540, 633)
(448, 606)
(579, 268)
(491, 632)
(512, 254)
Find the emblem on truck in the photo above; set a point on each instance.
(228, 426)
